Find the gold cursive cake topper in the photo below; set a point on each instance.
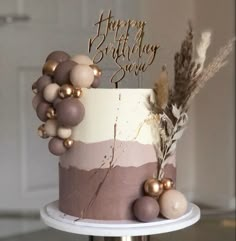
(123, 41)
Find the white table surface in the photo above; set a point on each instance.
(54, 218)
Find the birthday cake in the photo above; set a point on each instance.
(117, 146)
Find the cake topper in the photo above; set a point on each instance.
(123, 41)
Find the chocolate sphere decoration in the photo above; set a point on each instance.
(49, 67)
(42, 111)
(51, 127)
(153, 187)
(77, 92)
(65, 91)
(70, 112)
(82, 59)
(173, 204)
(37, 99)
(68, 143)
(167, 183)
(50, 92)
(51, 113)
(146, 209)
(58, 56)
(62, 72)
(82, 76)
(42, 82)
(64, 132)
(42, 132)
(56, 146)
(34, 88)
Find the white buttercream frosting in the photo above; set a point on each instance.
(124, 108)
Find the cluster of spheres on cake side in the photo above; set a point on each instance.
(160, 199)
(57, 94)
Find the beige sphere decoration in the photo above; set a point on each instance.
(82, 59)
(173, 204)
(51, 127)
(50, 92)
(64, 132)
(82, 76)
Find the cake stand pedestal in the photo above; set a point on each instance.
(116, 230)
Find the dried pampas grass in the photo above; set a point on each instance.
(172, 104)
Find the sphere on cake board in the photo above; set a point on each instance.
(146, 209)
(173, 204)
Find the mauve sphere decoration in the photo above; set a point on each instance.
(167, 183)
(42, 111)
(65, 91)
(34, 87)
(62, 72)
(82, 76)
(70, 112)
(146, 209)
(42, 132)
(96, 82)
(58, 56)
(49, 67)
(37, 99)
(173, 204)
(51, 113)
(42, 82)
(64, 132)
(56, 146)
(82, 59)
(56, 101)
(77, 92)
(50, 92)
(153, 187)
(51, 127)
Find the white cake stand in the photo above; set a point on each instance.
(116, 230)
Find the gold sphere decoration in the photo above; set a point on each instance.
(51, 113)
(96, 70)
(49, 67)
(153, 187)
(65, 91)
(77, 92)
(68, 143)
(42, 132)
(167, 183)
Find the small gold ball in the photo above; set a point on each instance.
(153, 187)
(68, 143)
(49, 67)
(65, 91)
(77, 92)
(96, 70)
(167, 183)
(42, 132)
(51, 113)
